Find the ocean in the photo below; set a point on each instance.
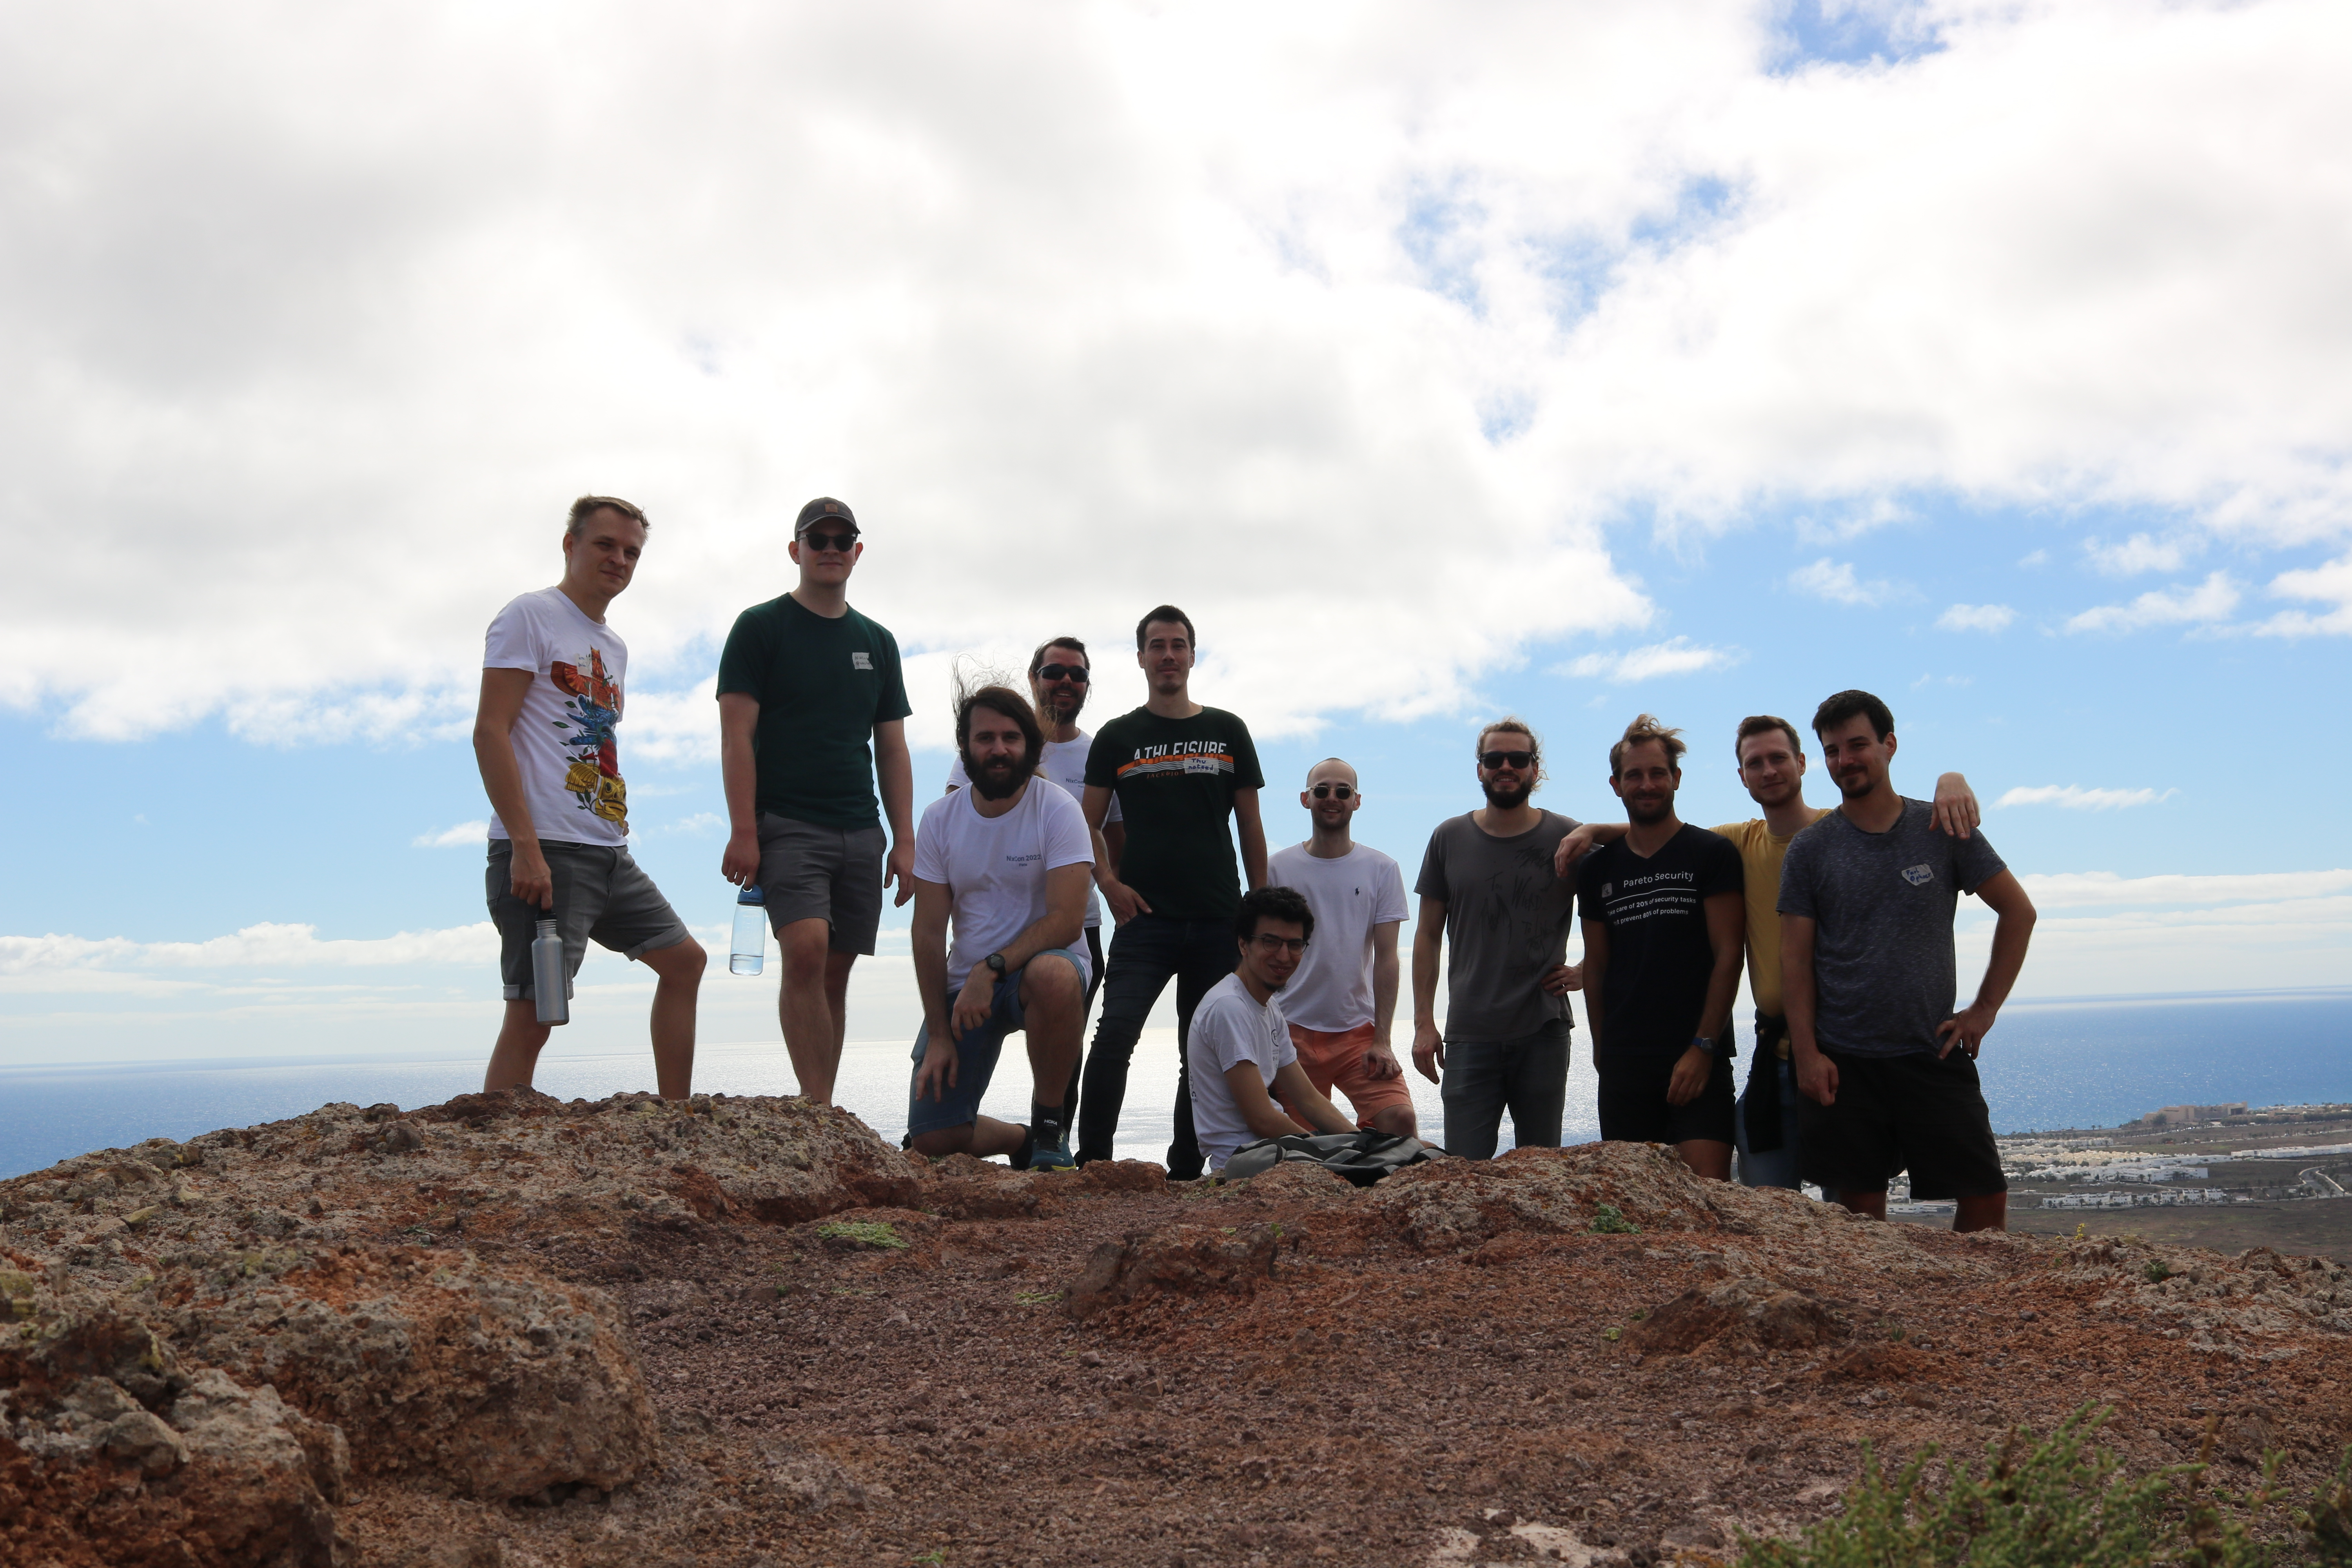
(2089, 1063)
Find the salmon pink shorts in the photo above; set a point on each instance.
(1331, 1059)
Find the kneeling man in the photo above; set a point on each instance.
(1008, 864)
(1241, 1054)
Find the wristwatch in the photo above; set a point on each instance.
(1703, 1043)
(995, 961)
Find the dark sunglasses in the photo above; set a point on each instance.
(1269, 942)
(1491, 760)
(816, 541)
(1075, 673)
(1331, 790)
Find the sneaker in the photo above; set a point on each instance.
(1054, 1156)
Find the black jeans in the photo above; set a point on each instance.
(1145, 953)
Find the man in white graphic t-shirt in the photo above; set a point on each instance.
(1341, 1004)
(552, 673)
(1061, 678)
(1005, 863)
(1243, 1060)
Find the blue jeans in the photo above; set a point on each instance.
(1527, 1076)
(1774, 1167)
(1145, 954)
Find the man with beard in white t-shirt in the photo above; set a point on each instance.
(1341, 1004)
(1061, 677)
(1005, 863)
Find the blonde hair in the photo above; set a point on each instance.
(1642, 728)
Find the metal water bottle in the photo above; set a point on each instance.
(750, 930)
(548, 981)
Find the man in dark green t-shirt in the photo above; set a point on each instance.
(1179, 770)
(804, 685)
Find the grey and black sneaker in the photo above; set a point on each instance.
(1054, 1156)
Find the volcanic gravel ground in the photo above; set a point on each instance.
(1465, 1363)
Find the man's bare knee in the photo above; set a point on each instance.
(681, 960)
(942, 1141)
(1396, 1121)
(1052, 986)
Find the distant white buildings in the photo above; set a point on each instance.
(2172, 1197)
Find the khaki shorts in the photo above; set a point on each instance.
(1330, 1060)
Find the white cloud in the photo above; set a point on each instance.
(1836, 582)
(1977, 618)
(316, 316)
(696, 826)
(2328, 583)
(2094, 889)
(2212, 600)
(2076, 798)
(2139, 553)
(464, 833)
(28, 961)
(1676, 656)
(2035, 558)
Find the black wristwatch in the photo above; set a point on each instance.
(995, 961)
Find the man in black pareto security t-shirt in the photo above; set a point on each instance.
(1179, 770)
(1665, 922)
(1886, 1069)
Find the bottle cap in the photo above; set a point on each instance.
(750, 894)
(547, 927)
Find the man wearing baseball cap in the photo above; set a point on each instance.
(805, 685)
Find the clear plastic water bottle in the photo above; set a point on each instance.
(551, 985)
(750, 930)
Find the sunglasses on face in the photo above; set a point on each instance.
(1492, 760)
(1331, 792)
(1269, 943)
(1075, 673)
(816, 541)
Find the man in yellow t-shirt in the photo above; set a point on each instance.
(1772, 769)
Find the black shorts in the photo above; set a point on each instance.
(1633, 1108)
(1918, 1112)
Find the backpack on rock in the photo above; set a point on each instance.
(1362, 1157)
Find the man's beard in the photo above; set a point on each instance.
(1063, 706)
(995, 780)
(1853, 784)
(1649, 810)
(1509, 799)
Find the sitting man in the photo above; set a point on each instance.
(1241, 1054)
(1008, 864)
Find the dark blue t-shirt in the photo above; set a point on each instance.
(1659, 956)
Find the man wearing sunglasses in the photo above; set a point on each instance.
(1341, 1004)
(1490, 902)
(1241, 1043)
(805, 685)
(1060, 677)
(1180, 772)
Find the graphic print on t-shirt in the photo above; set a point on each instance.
(593, 777)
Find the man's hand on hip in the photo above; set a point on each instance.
(1562, 978)
(1964, 1030)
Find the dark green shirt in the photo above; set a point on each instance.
(822, 686)
(1175, 780)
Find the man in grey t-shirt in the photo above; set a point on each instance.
(1886, 1067)
(1489, 896)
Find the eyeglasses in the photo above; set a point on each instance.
(1491, 760)
(816, 541)
(1075, 673)
(1331, 792)
(1269, 943)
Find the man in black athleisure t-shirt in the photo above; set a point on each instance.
(1663, 926)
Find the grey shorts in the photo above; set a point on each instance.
(829, 874)
(600, 895)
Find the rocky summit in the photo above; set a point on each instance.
(742, 1331)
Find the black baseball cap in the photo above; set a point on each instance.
(821, 510)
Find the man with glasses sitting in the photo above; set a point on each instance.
(805, 684)
(1341, 1004)
(1243, 1060)
(1488, 896)
(1060, 678)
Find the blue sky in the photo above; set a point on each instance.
(1700, 358)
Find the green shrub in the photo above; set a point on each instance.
(2057, 1503)
(861, 1233)
(1608, 1219)
(2157, 1272)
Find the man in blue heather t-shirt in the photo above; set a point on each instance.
(1868, 975)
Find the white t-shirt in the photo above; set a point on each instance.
(1229, 1028)
(1064, 761)
(1332, 989)
(563, 738)
(995, 868)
